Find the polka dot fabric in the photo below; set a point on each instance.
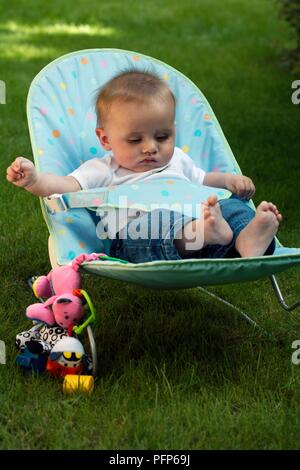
(62, 123)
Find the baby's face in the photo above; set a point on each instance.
(141, 135)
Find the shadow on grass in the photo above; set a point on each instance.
(175, 330)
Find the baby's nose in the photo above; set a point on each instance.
(150, 147)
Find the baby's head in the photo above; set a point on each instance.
(136, 113)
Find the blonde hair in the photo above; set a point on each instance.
(130, 86)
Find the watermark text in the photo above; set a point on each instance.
(2, 92)
(296, 94)
(2, 353)
(296, 354)
(157, 222)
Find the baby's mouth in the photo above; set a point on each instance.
(148, 160)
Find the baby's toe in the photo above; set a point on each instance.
(212, 200)
(263, 206)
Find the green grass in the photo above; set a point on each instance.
(177, 369)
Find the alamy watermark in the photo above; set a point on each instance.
(2, 353)
(2, 92)
(296, 354)
(296, 94)
(157, 221)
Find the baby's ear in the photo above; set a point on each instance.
(103, 138)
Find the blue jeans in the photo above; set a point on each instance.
(161, 225)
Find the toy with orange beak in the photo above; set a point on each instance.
(67, 360)
(63, 309)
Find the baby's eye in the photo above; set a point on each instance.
(134, 141)
(160, 138)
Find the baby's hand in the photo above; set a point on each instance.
(240, 185)
(22, 172)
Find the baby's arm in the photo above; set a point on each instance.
(22, 173)
(240, 185)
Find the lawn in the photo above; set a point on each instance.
(177, 369)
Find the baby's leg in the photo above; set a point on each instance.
(149, 237)
(255, 238)
(210, 229)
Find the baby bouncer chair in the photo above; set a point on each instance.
(62, 123)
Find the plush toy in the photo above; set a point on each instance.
(44, 334)
(50, 345)
(61, 287)
(66, 357)
(33, 358)
(52, 349)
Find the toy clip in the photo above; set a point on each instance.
(78, 329)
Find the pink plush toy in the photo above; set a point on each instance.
(61, 287)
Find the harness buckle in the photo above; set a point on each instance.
(55, 203)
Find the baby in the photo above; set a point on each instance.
(136, 113)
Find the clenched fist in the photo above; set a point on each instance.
(22, 173)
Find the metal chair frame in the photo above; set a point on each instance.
(278, 294)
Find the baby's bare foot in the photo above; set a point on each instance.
(209, 228)
(216, 229)
(274, 209)
(255, 238)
